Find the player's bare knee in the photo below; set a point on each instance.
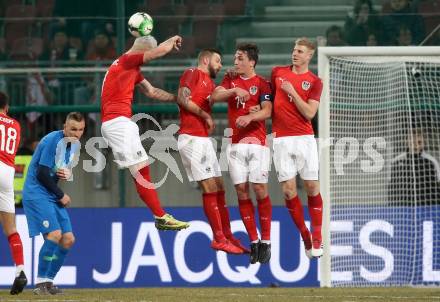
(220, 184)
(260, 190)
(208, 185)
(8, 223)
(312, 187)
(289, 188)
(289, 191)
(242, 191)
(68, 240)
(289, 194)
(9, 230)
(54, 236)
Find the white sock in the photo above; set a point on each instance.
(265, 241)
(255, 241)
(19, 269)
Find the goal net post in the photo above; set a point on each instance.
(379, 138)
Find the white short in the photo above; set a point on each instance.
(7, 203)
(293, 154)
(248, 163)
(122, 135)
(198, 157)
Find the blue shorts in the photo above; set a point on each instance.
(44, 216)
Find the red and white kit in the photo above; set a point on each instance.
(248, 156)
(294, 145)
(9, 142)
(195, 147)
(120, 132)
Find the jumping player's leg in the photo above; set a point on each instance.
(211, 209)
(122, 135)
(296, 211)
(315, 211)
(258, 166)
(265, 215)
(222, 207)
(224, 215)
(288, 159)
(145, 188)
(247, 213)
(310, 174)
(209, 196)
(247, 210)
(147, 192)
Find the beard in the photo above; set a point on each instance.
(212, 72)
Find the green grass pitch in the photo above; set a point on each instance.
(233, 295)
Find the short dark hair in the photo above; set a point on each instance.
(251, 50)
(4, 100)
(208, 52)
(76, 116)
(358, 5)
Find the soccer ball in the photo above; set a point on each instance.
(140, 24)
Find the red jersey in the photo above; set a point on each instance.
(201, 86)
(259, 90)
(286, 118)
(118, 86)
(9, 139)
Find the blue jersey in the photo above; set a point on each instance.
(52, 152)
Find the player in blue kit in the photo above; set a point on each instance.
(45, 203)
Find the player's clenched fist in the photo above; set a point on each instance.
(65, 200)
(286, 86)
(64, 173)
(177, 40)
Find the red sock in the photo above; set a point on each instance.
(265, 213)
(247, 213)
(297, 213)
(315, 212)
(147, 193)
(212, 213)
(16, 248)
(224, 214)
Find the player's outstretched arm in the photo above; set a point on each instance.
(163, 48)
(308, 109)
(184, 100)
(156, 93)
(222, 94)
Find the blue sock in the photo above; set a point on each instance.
(45, 257)
(57, 261)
